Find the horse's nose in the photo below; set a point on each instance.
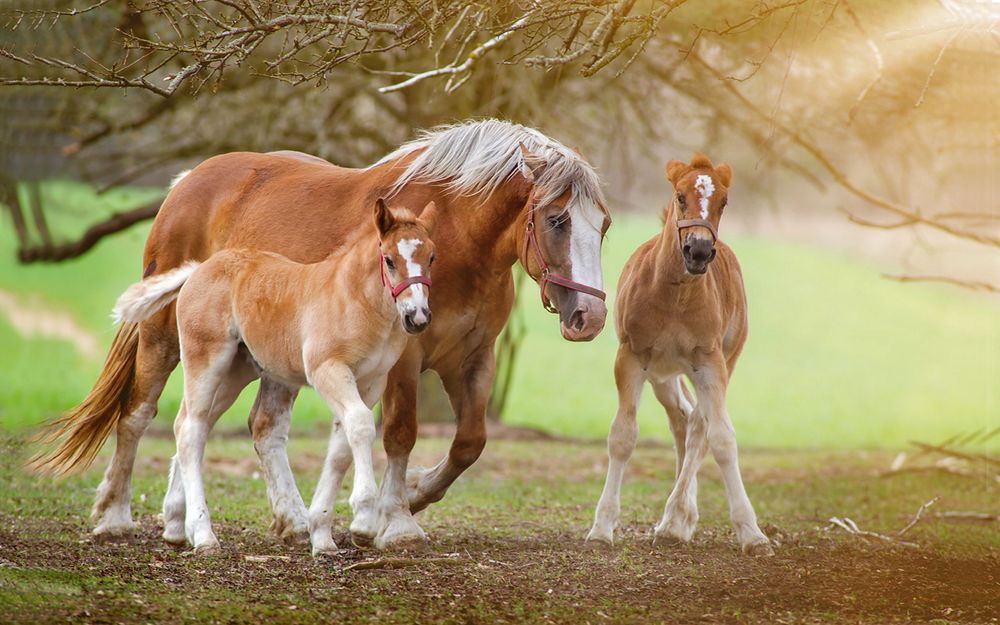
(698, 253)
(586, 320)
(416, 321)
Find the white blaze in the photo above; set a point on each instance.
(705, 188)
(585, 248)
(406, 248)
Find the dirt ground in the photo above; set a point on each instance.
(506, 547)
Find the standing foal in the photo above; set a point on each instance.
(336, 325)
(679, 313)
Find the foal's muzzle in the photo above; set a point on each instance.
(698, 253)
(416, 321)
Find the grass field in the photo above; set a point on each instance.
(507, 546)
(837, 357)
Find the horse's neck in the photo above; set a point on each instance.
(670, 271)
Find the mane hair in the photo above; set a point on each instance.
(478, 157)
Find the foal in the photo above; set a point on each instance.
(337, 325)
(681, 310)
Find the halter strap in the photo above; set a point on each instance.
(402, 286)
(687, 223)
(546, 275)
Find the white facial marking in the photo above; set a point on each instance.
(416, 301)
(585, 248)
(705, 188)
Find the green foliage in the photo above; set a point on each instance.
(837, 356)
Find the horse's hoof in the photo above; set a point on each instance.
(412, 544)
(761, 549)
(327, 550)
(175, 541)
(667, 541)
(362, 541)
(595, 540)
(208, 550)
(295, 537)
(114, 537)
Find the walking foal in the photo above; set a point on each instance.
(338, 325)
(681, 310)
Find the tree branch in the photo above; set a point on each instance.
(113, 224)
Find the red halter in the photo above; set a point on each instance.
(546, 275)
(402, 286)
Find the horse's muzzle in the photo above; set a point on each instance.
(416, 321)
(586, 319)
(698, 254)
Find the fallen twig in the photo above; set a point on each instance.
(916, 517)
(398, 563)
(851, 527)
(967, 516)
(266, 558)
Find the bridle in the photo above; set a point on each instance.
(687, 223)
(402, 286)
(546, 275)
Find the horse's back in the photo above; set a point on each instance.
(294, 206)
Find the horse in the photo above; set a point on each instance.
(338, 326)
(681, 310)
(504, 193)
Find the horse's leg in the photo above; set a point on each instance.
(722, 441)
(269, 421)
(338, 387)
(622, 438)
(469, 391)
(677, 402)
(157, 355)
(214, 375)
(397, 527)
(174, 501)
(338, 461)
(680, 515)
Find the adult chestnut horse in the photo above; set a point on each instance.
(502, 192)
(681, 310)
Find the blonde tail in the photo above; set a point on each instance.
(142, 299)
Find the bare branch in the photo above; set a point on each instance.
(968, 284)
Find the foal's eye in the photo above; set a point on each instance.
(430, 262)
(389, 263)
(722, 206)
(681, 202)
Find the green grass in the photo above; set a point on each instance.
(837, 357)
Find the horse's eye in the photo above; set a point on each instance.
(681, 202)
(389, 263)
(430, 262)
(722, 206)
(556, 222)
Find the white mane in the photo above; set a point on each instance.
(476, 158)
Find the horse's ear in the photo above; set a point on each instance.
(531, 165)
(428, 217)
(675, 169)
(384, 219)
(725, 173)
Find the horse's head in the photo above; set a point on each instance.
(407, 253)
(701, 193)
(562, 247)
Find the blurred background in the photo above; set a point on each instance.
(864, 138)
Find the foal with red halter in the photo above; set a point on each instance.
(332, 325)
(681, 311)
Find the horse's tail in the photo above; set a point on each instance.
(89, 424)
(142, 299)
(84, 429)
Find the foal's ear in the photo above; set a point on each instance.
(725, 173)
(531, 165)
(676, 169)
(384, 219)
(428, 217)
